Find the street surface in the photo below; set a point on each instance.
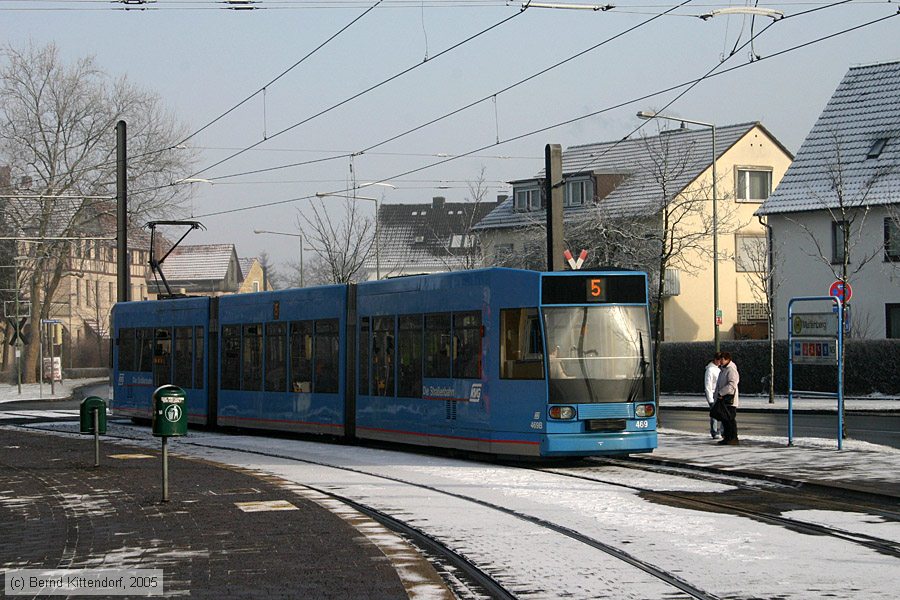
(869, 426)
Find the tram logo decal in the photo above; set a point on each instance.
(475, 393)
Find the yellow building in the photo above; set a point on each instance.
(622, 196)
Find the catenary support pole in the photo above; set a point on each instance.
(123, 269)
(553, 192)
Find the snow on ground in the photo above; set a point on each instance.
(452, 500)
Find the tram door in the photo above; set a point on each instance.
(162, 357)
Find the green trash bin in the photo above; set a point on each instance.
(86, 413)
(169, 411)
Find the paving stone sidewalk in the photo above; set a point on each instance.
(58, 511)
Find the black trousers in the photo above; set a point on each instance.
(729, 425)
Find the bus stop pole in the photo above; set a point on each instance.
(96, 437)
(790, 374)
(165, 469)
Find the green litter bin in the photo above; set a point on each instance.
(86, 413)
(169, 411)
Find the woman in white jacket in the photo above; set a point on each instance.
(710, 377)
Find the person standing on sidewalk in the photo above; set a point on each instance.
(710, 378)
(727, 389)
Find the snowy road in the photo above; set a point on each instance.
(488, 513)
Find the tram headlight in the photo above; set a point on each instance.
(644, 411)
(562, 412)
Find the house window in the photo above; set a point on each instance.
(892, 321)
(578, 192)
(462, 241)
(891, 240)
(839, 232)
(255, 286)
(528, 199)
(753, 185)
(750, 253)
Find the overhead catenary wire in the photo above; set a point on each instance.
(363, 92)
(582, 117)
(456, 111)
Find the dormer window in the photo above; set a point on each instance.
(419, 239)
(528, 199)
(578, 192)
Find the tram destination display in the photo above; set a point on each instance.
(590, 289)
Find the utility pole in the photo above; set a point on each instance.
(553, 191)
(123, 267)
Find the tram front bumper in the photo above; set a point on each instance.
(592, 444)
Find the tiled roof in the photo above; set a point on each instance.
(21, 218)
(638, 193)
(199, 262)
(426, 236)
(865, 108)
(246, 264)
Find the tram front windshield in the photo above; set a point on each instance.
(598, 354)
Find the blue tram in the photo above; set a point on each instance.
(496, 361)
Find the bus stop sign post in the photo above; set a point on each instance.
(821, 342)
(169, 419)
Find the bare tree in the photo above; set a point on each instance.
(342, 242)
(57, 132)
(270, 272)
(681, 233)
(759, 261)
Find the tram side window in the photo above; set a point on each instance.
(184, 361)
(437, 345)
(383, 356)
(251, 358)
(521, 351)
(467, 345)
(409, 353)
(198, 358)
(327, 355)
(162, 356)
(127, 349)
(145, 350)
(231, 357)
(364, 345)
(301, 356)
(276, 357)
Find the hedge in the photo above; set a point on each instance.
(870, 367)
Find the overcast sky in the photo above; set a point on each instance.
(203, 60)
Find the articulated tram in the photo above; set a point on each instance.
(496, 361)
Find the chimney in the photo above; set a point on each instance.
(501, 198)
(4, 176)
(437, 202)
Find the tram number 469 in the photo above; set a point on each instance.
(642, 424)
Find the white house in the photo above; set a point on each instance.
(840, 199)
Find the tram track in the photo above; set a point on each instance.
(887, 547)
(484, 580)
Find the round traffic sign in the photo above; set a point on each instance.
(842, 290)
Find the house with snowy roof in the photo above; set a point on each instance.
(415, 239)
(836, 214)
(255, 278)
(616, 185)
(200, 270)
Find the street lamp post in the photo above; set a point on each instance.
(715, 217)
(298, 235)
